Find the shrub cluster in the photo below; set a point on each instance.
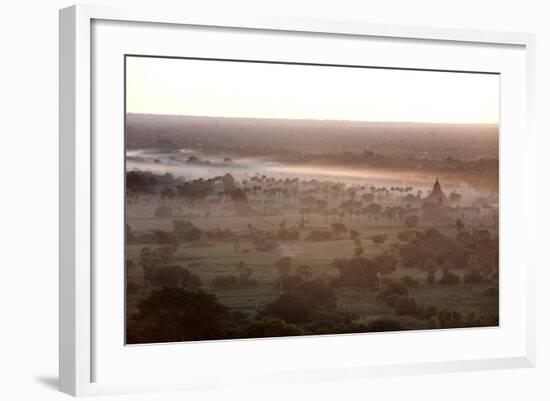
(186, 231)
(453, 253)
(358, 271)
(427, 312)
(392, 287)
(473, 276)
(219, 234)
(405, 305)
(285, 234)
(302, 302)
(409, 281)
(449, 278)
(450, 319)
(319, 235)
(173, 314)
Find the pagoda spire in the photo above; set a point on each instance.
(437, 195)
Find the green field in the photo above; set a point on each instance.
(220, 258)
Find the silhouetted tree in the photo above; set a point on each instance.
(176, 314)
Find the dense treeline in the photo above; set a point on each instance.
(474, 251)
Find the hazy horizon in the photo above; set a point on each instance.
(317, 119)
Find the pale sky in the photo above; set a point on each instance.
(261, 90)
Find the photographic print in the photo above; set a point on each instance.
(267, 199)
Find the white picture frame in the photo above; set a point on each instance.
(79, 317)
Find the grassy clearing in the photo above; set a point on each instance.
(220, 257)
(239, 224)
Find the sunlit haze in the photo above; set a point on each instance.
(262, 90)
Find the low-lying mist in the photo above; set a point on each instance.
(187, 165)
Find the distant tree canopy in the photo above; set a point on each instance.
(292, 307)
(242, 280)
(138, 181)
(285, 234)
(186, 231)
(320, 235)
(167, 193)
(410, 199)
(238, 196)
(167, 238)
(228, 182)
(379, 239)
(373, 209)
(338, 228)
(387, 264)
(406, 236)
(195, 191)
(455, 198)
(450, 253)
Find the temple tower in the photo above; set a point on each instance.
(437, 196)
